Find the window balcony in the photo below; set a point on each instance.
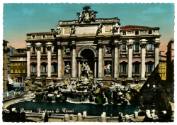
(150, 54)
(136, 74)
(123, 54)
(54, 74)
(147, 74)
(124, 51)
(136, 53)
(150, 51)
(43, 73)
(123, 74)
(54, 56)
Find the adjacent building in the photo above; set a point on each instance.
(170, 69)
(18, 68)
(170, 61)
(5, 65)
(162, 66)
(108, 50)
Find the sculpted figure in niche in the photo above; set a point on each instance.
(107, 69)
(108, 50)
(85, 69)
(67, 68)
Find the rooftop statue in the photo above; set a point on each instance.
(58, 30)
(116, 28)
(73, 30)
(99, 29)
(87, 15)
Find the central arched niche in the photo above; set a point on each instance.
(87, 55)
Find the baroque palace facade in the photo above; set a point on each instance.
(111, 51)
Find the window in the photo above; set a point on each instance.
(55, 49)
(33, 36)
(137, 32)
(149, 67)
(124, 32)
(123, 47)
(123, 68)
(44, 49)
(136, 47)
(150, 47)
(33, 68)
(54, 68)
(43, 68)
(33, 49)
(150, 32)
(136, 68)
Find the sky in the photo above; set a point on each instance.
(19, 19)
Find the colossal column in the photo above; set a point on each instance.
(143, 58)
(28, 60)
(157, 43)
(60, 60)
(38, 47)
(130, 54)
(79, 69)
(116, 59)
(95, 69)
(49, 45)
(74, 62)
(100, 59)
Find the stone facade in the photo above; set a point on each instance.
(111, 51)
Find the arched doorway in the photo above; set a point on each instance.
(87, 56)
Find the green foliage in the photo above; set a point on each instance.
(100, 99)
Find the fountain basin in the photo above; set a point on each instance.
(74, 108)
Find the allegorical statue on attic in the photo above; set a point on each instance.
(99, 29)
(116, 28)
(73, 30)
(58, 30)
(87, 15)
